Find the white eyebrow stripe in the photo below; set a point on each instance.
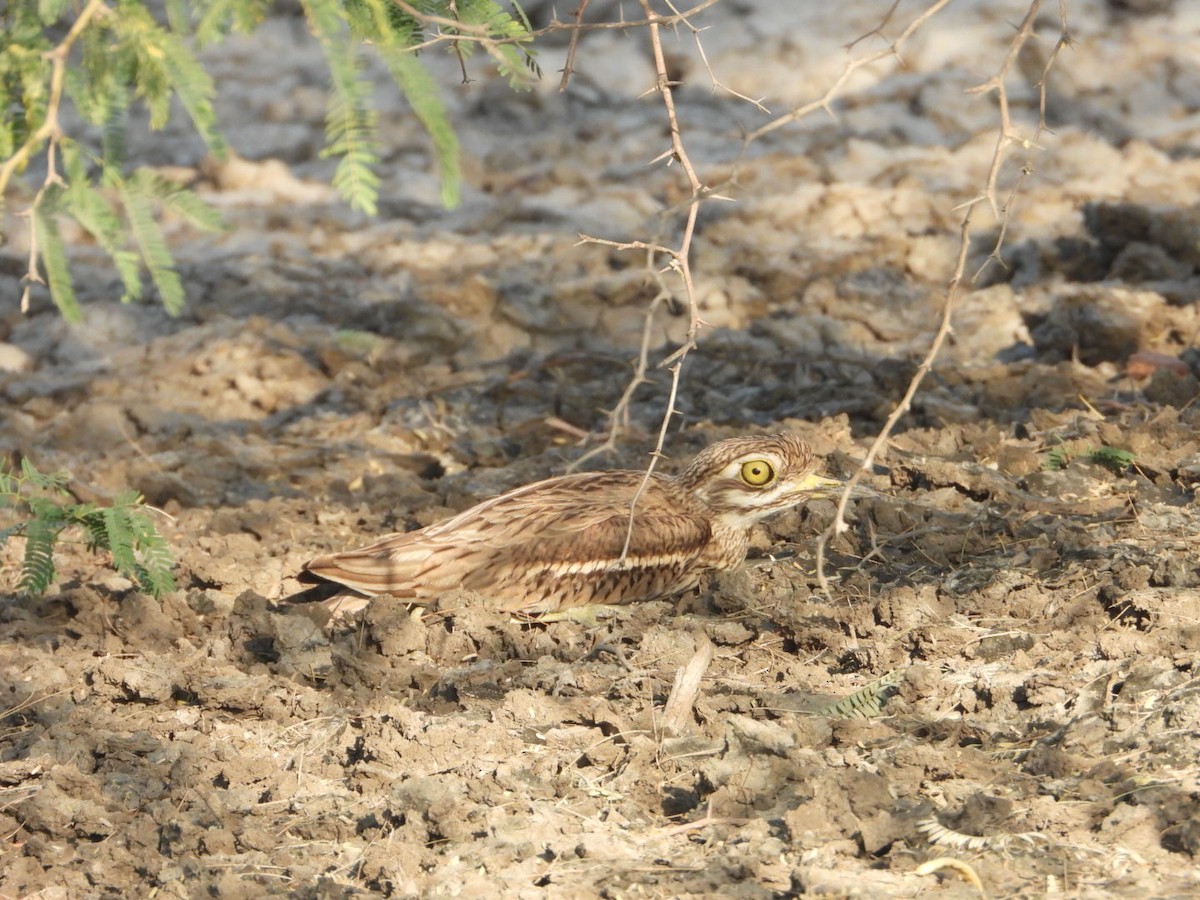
(615, 564)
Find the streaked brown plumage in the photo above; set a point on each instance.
(557, 544)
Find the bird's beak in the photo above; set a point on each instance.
(818, 486)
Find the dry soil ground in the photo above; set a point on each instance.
(1027, 614)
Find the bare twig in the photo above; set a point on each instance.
(678, 262)
(877, 31)
(954, 287)
(824, 101)
(50, 130)
(1031, 145)
(1005, 135)
(679, 258)
(717, 84)
(573, 46)
(618, 416)
(457, 31)
(32, 276)
(708, 821)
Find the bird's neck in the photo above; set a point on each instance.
(730, 541)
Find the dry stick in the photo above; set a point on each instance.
(1005, 134)
(678, 257)
(953, 290)
(877, 31)
(1032, 145)
(822, 102)
(573, 46)
(708, 821)
(50, 130)
(480, 34)
(679, 260)
(717, 84)
(459, 32)
(32, 276)
(618, 416)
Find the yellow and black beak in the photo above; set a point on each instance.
(818, 486)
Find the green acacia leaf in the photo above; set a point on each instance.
(84, 203)
(868, 702)
(46, 481)
(423, 94)
(153, 247)
(37, 568)
(195, 89)
(178, 199)
(54, 260)
(514, 60)
(125, 529)
(350, 120)
(155, 559)
(50, 11)
(119, 536)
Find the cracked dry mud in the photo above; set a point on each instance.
(1033, 628)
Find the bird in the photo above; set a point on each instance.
(567, 543)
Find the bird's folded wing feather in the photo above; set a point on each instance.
(543, 527)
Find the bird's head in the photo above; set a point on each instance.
(749, 478)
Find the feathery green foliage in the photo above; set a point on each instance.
(1112, 458)
(515, 61)
(391, 34)
(150, 243)
(104, 56)
(351, 123)
(54, 256)
(125, 529)
(867, 702)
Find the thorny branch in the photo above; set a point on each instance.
(824, 101)
(50, 130)
(1032, 145)
(457, 31)
(717, 84)
(1005, 137)
(678, 262)
(619, 414)
(679, 257)
(573, 46)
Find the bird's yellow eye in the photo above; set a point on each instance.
(757, 473)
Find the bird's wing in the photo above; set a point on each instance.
(572, 525)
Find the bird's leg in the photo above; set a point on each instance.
(589, 615)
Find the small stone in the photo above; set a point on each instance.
(14, 359)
